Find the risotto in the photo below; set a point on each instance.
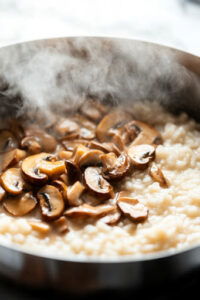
(169, 212)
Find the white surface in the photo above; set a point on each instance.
(170, 22)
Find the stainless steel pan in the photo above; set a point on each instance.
(178, 88)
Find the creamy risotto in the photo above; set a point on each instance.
(171, 208)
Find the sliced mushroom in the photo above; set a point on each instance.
(73, 172)
(86, 133)
(91, 199)
(52, 168)
(105, 147)
(132, 208)
(96, 183)
(79, 151)
(74, 192)
(20, 205)
(2, 193)
(111, 218)
(7, 141)
(115, 167)
(66, 126)
(90, 158)
(51, 202)
(146, 134)
(12, 181)
(156, 173)
(11, 158)
(31, 144)
(87, 210)
(41, 227)
(61, 225)
(65, 154)
(91, 111)
(141, 155)
(62, 188)
(30, 167)
(46, 141)
(111, 122)
(72, 145)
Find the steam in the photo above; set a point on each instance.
(50, 77)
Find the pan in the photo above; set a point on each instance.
(172, 72)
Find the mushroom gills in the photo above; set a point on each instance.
(51, 202)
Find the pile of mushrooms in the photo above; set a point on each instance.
(73, 168)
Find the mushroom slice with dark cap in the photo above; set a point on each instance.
(51, 202)
(12, 181)
(111, 122)
(20, 205)
(156, 173)
(115, 167)
(87, 210)
(62, 188)
(146, 134)
(90, 158)
(7, 141)
(141, 155)
(47, 142)
(31, 144)
(11, 158)
(30, 167)
(2, 192)
(73, 172)
(131, 207)
(96, 183)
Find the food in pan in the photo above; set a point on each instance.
(101, 182)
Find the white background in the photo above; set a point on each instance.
(170, 22)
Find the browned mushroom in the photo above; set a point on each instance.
(73, 172)
(11, 158)
(115, 167)
(30, 167)
(64, 154)
(111, 122)
(71, 145)
(141, 155)
(46, 141)
(91, 111)
(31, 144)
(96, 183)
(7, 141)
(79, 151)
(12, 181)
(86, 133)
(2, 193)
(132, 208)
(156, 173)
(41, 227)
(90, 158)
(111, 218)
(20, 205)
(61, 225)
(62, 188)
(66, 126)
(87, 210)
(146, 134)
(52, 168)
(51, 202)
(74, 192)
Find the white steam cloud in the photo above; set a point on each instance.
(58, 75)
